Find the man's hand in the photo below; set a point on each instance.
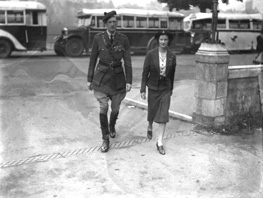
(89, 86)
(128, 87)
(143, 95)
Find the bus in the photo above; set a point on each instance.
(138, 25)
(238, 31)
(23, 27)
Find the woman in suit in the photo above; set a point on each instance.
(158, 76)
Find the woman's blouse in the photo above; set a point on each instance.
(162, 61)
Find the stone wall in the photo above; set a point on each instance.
(243, 95)
(211, 84)
(224, 93)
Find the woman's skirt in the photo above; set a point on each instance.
(158, 105)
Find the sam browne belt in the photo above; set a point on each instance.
(111, 64)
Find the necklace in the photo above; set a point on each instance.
(162, 58)
(163, 53)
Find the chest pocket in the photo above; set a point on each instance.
(103, 52)
(118, 52)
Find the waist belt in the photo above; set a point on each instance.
(111, 64)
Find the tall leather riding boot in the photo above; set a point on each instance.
(105, 132)
(113, 119)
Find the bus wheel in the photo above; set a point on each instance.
(5, 49)
(74, 47)
(152, 44)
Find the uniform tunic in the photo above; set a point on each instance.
(108, 76)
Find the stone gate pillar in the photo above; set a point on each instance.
(211, 84)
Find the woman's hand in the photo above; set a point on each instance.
(143, 95)
(128, 87)
(90, 86)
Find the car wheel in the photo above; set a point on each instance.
(58, 52)
(74, 47)
(5, 48)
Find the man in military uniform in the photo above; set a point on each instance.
(109, 79)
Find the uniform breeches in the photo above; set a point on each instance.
(103, 100)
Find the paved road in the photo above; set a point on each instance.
(47, 60)
(50, 136)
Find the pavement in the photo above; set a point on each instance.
(197, 164)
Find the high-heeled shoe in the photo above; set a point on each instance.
(160, 149)
(105, 146)
(149, 134)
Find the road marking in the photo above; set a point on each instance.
(47, 157)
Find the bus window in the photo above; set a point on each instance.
(164, 23)
(221, 24)
(15, 17)
(28, 18)
(100, 23)
(242, 24)
(245, 24)
(80, 22)
(92, 22)
(35, 18)
(128, 21)
(187, 25)
(2, 16)
(257, 25)
(42, 18)
(119, 22)
(153, 22)
(141, 22)
(85, 22)
(233, 24)
(197, 25)
(175, 24)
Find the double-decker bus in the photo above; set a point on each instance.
(238, 31)
(138, 25)
(23, 27)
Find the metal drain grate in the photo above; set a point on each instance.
(48, 157)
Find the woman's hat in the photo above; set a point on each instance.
(108, 15)
(164, 32)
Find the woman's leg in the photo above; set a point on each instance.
(150, 130)
(159, 143)
(161, 131)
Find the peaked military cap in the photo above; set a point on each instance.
(108, 15)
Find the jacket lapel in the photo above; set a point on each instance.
(115, 39)
(156, 60)
(107, 39)
(168, 61)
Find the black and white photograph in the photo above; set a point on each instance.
(131, 99)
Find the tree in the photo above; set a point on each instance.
(185, 4)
